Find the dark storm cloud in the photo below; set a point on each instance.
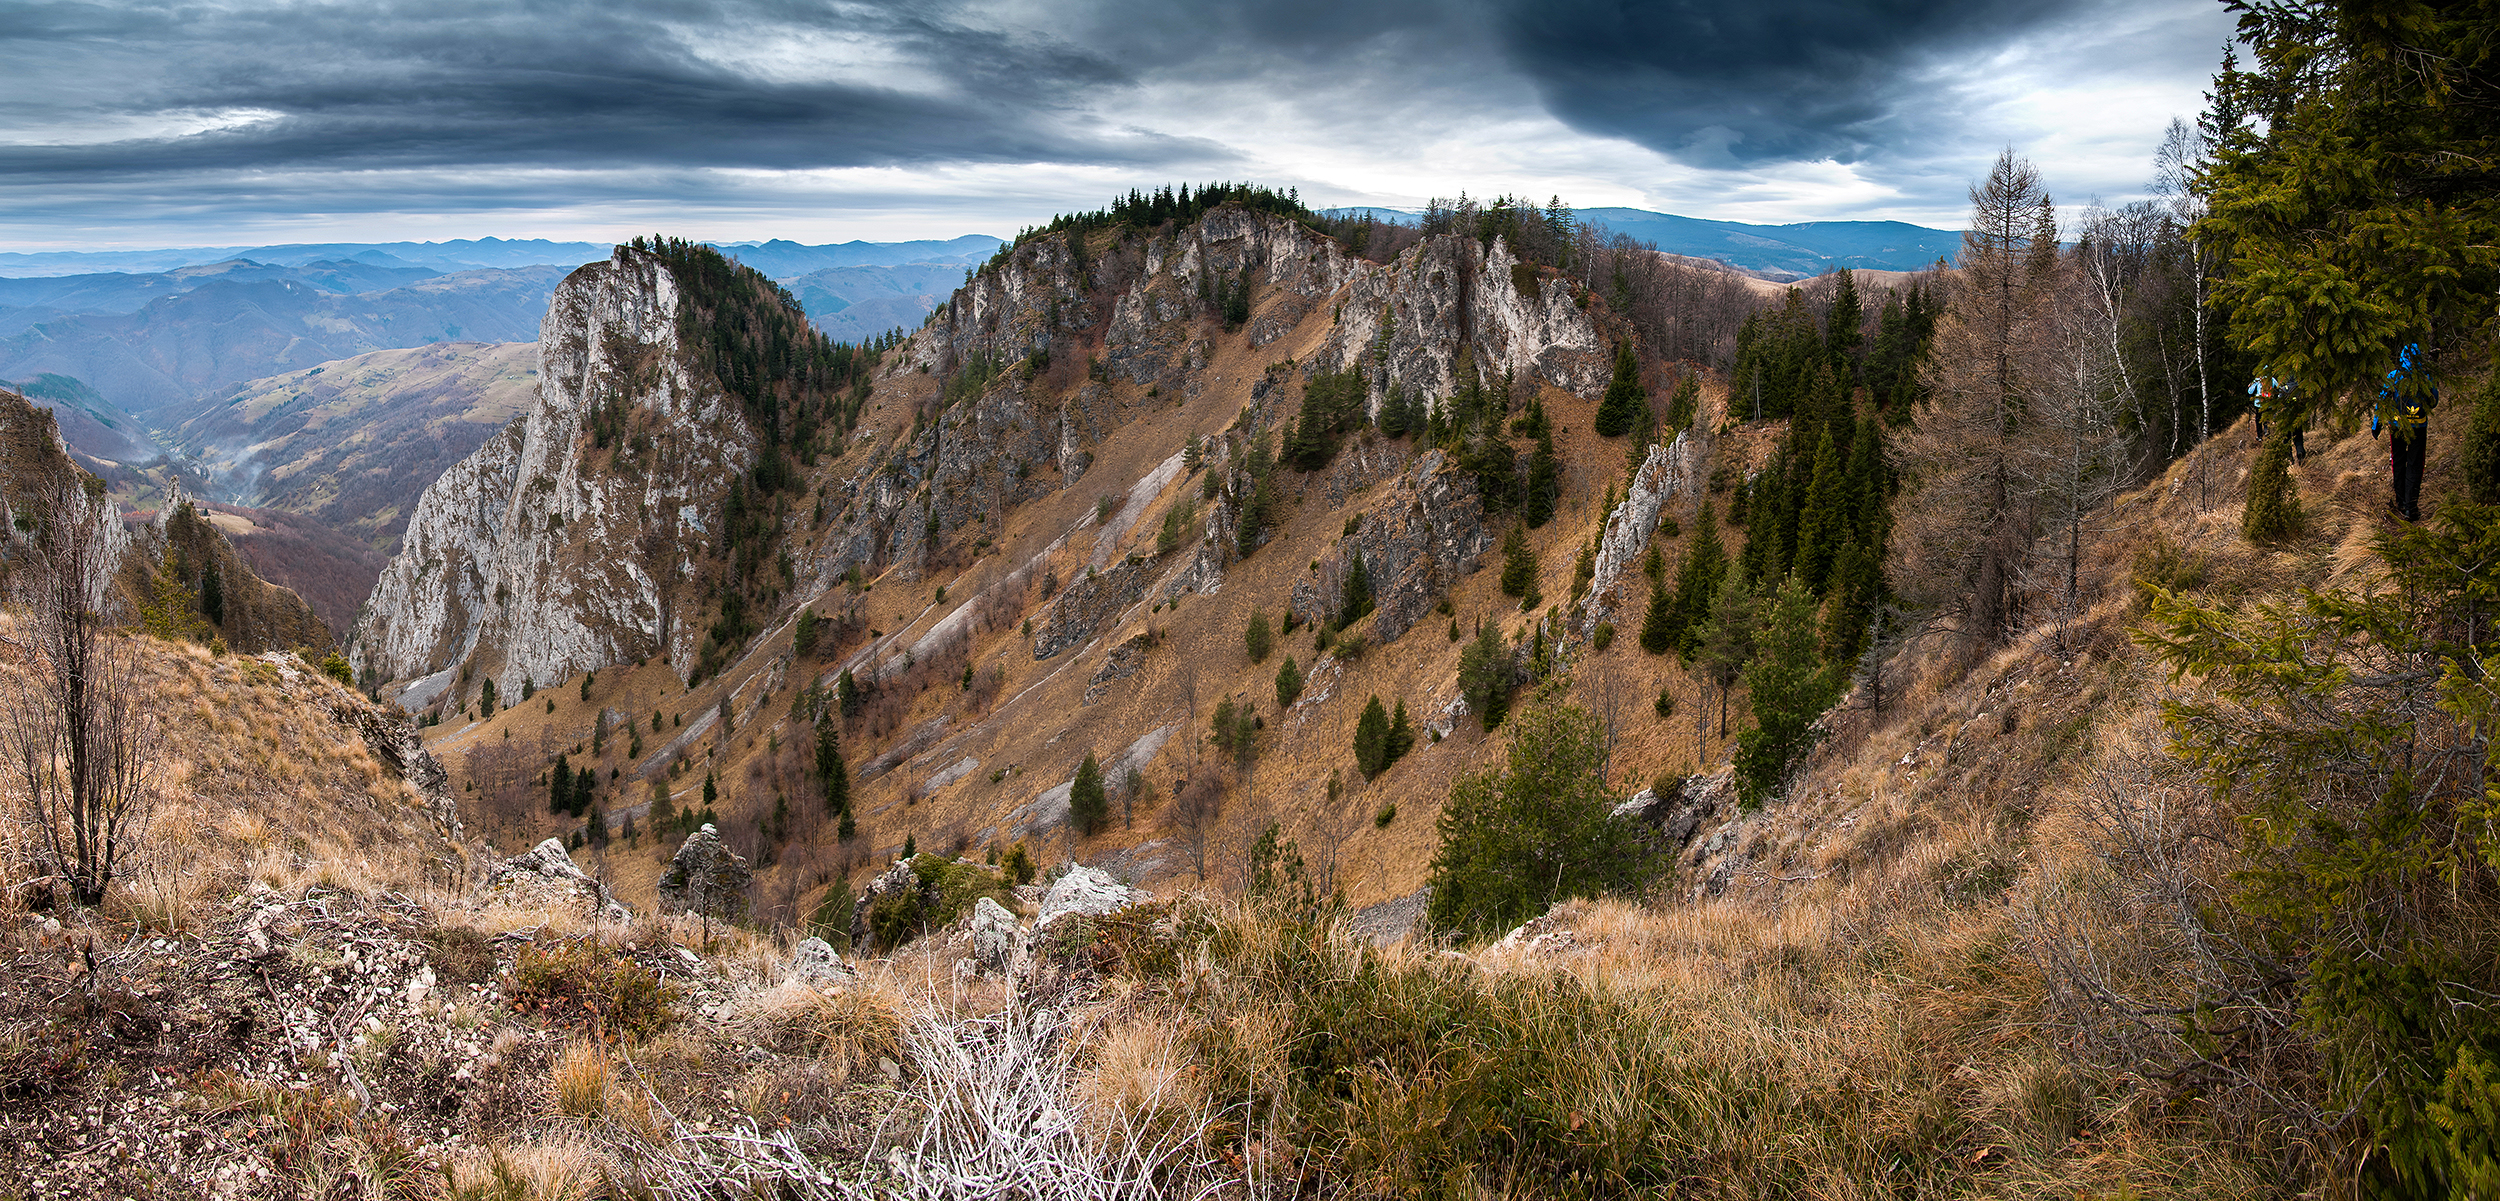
(591, 85)
(1745, 82)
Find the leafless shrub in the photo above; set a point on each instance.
(999, 1116)
(78, 735)
(2146, 972)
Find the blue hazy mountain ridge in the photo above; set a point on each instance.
(775, 258)
(786, 260)
(127, 292)
(159, 361)
(1806, 248)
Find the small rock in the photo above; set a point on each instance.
(816, 962)
(1089, 891)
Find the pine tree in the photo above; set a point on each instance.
(1371, 739)
(1515, 841)
(1088, 806)
(803, 635)
(1288, 683)
(560, 786)
(1256, 638)
(1625, 397)
(1789, 687)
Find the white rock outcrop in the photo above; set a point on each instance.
(544, 555)
(1666, 472)
(1086, 890)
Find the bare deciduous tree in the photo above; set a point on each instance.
(72, 723)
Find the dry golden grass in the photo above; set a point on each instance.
(582, 1081)
(565, 1167)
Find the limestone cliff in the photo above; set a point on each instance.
(545, 553)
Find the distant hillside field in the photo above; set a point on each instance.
(351, 443)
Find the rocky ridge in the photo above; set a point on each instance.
(528, 560)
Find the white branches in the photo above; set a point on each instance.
(997, 1116)
(77, 738)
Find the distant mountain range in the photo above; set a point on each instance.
(1783, 252)
(779, 259)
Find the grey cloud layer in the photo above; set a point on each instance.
(467, 97)
(563, 85)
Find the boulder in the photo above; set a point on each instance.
(705, 877)
(997, 940)
(814, 961)
(546, 872)
(1088, 891)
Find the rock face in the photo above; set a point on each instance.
(541, 555)
(393, 739)
(1086, 603)
(1086, 890)
(1670, 819)
(1666, 473)
(546, 872)
(1425, 532)
(705, 877)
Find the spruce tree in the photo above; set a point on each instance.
(1620, 410)
(1401, 734)
(830, 768)
(1357, 598)
(1519, 569)
(1697, 583)
(1371, 739)
(1288, 683)
(1843, 336)
(1789, 687)
(560, 786)
(2273, 512)
(1485, 675)
(1726, 641)
(1256, 638)
(1658, 624)
(1088, 806)
(1544, 481)
(213, 595)
(1825, 517)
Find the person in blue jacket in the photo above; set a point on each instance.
(2405, 401)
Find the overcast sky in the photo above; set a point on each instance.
(237, 122)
